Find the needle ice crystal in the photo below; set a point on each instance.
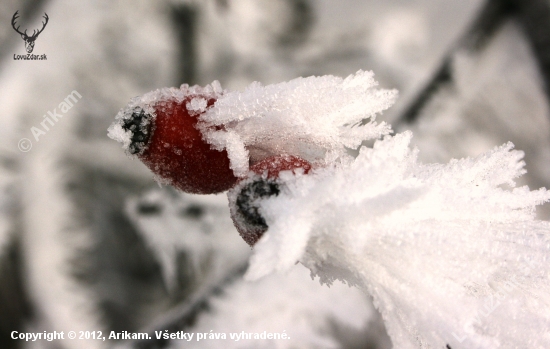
(448, 253)
(314, 118)
(452, 254)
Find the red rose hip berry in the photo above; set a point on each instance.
(265, 182)
(172, 147)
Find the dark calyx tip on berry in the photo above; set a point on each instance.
(247, 198)
(139, 124)
(263, 183)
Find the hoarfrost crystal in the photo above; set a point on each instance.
(452, 254)
(315, 117)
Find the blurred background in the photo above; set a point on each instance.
(90, 242)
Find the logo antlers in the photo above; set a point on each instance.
(29, 40)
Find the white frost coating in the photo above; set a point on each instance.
(197, 105)
(307, 117)
(451, 254)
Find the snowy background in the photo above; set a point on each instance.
(88, 241)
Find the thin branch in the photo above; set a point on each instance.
(533, 15)
(184, 316)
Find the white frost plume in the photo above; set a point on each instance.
(315, 118)
(451, 254)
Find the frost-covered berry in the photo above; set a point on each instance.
(263, 182)
(160, 129)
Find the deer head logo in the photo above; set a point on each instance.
(29, 40)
